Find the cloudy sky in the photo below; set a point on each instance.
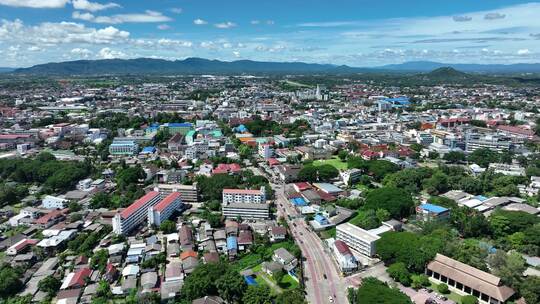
(352, 32)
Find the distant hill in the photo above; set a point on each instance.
(426, 66)
(6, 70)
(198, 66)
(188, 66)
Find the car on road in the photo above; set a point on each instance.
(324, 276)
(294, 224)
(330, 299)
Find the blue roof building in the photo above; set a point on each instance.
(148, 150)
(427, 212)
(241, 129)
(319, 218)
(232, 243)
(299, 201)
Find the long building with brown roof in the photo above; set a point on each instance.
(466, 279)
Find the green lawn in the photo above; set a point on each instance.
(452, 295)
(247, 261)
(335, 162)
(329, 233)
(288, 282)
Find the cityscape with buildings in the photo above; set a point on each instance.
(265, 182)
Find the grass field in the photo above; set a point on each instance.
(334, 162)
(452, 295)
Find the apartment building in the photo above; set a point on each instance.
(164, 209)
(189, 193)
(493, 142)
(231, 196)
(357, 238)
(246, 211)
(135, 214)
(124, 147)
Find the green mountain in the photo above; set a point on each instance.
(188, 66)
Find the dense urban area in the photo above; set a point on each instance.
(269, 189)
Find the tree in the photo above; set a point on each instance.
(327, 172)
(104, 289)
(308, 173)
(380, 168)
(257, 295)
(530, 288)
(509, 267)
(469, 300)
(342, 154)
(366, 219)
(483, 157)
(437, 183)
(443, 288)
(382, 215)
(278, 276)
(398, 271)
(397, 202)
(10, 284)
(50, 285)
(373, 291)
(99, 260)
(167, 226)
(419, 280)
(454, 157)
(408, 248)
(74, 207)
(294, 296)
(231, 286)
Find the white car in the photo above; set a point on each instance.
(330, 299)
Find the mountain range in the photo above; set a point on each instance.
(199, 66)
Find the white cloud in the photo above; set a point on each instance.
(176, 10)
(225, 25)
(461, 18)
(199, 22)
(93, 6)
(34, 48)
(81, 52)
(236, 54)
(107, 53)
(523, 52)
(494, 16)
(171, 42)
(208, 45)
(49, 33)
(35, 3)
(255, 22)
(147, 17)
(163, 27)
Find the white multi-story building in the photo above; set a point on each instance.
(189, 193)
(164, 209)
(357, 238)
(231, 196)
(246, 211)
(493, 142)
(124, 147)
(266, 151)
(54, 202)
(135, 214)
(346, 260)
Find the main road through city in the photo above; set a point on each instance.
(322, 279)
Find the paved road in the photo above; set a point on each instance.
(318, 262)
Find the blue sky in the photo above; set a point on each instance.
(352, 32)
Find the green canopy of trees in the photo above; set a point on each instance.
(373, 291)
(395, 200)
(214, 279)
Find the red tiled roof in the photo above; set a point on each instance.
(245, 237)
(342, 247)
(517, 130)
(326, 196)
(186, 254)
(79, 277)
(138, 204)
(167, 201)
(27, 242)
(14, 136)
(241, 191)
(48, 217)
(302, 186)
